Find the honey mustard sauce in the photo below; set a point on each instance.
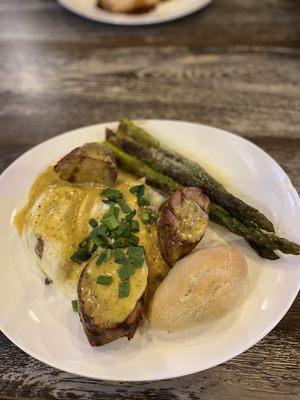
(58, 211)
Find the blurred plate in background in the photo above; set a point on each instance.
(166, 11)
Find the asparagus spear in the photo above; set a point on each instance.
(259, 241)
(183, 175)
(139, 134)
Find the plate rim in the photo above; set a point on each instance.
(123, 20)
(233, 354)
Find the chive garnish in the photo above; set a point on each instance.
(126, 271)
(112, 194)
(135, 227)
(148, 216)
(111, 222)
(100, 230)
(101, 258)
(84, 243)
(81, 255)
(130, 216)
(133, 240)
(119, 256)
(124, 289)
(138, 190)
(137, 262)
(135, 252)
(93, 222)
(94, 248)
(143, 201)
(75, 305)
(97, 241)
(125, 207)
(105, 280)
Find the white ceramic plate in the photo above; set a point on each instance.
(166, 11)
(41, 322)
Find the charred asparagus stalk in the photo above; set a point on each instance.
(140, 135)
(181, 173)
(257, 239)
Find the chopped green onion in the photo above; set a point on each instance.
(100, 230)
(84, 243)
(123, 229)
(118, 243)
(112, 194)
(137, 262)
(126, 271)
(145, 216)
(124, 289)
(106, 201)
(130, 216)
(135, 252)
(139, 190)
(116, 212)
(93, 222)
(94, 248)
(75, 305)
(105, 280)
(125, 207)
(81, 255)
(133, 240)
(101, 258)
(111, 222)
(97, 241)
(143, 201)
(135, 227)
(119, 256)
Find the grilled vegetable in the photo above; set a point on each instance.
(92, 162)
(183, 174)
(263, 243)
(182, 222)
(110, 306)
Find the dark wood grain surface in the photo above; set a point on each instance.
(235, 65)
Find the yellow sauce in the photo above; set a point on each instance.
(59, 211)
(102, 303)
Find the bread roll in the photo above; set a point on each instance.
(201, 287)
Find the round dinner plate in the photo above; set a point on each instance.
(167, 10)
(40, 320)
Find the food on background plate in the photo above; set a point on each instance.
(125, 6)
(109, 220)
(200, 288)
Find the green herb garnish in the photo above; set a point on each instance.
(138, 190)
(135, 227)
(111, 222)
(93, 222)
(81, 255)
(143, 200)
(105, 280)
(100, 230)
(135, 252)
(126, 271)
(124, 289)
(119, 256)
(112, 194)
(75, 305)
(101, 258)
(130, 216)
(148, 216)
(133, 240)
(125, 207)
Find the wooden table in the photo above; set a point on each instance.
(235, 65)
